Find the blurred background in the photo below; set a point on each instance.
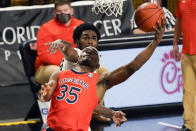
(170, 4)
(147, 92)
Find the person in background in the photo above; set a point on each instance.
(170, 19)
(185, 24)
(60, 27)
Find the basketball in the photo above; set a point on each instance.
(146, 16)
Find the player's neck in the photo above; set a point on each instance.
(83, 68)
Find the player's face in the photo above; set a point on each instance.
(88, 38)
(89, 57)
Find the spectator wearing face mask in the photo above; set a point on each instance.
(60, 27)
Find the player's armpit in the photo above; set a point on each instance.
(100, 91)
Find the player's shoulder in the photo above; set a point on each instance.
(78, 50)
(101, 70)
(102, 73)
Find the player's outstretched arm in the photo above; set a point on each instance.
(48, 89)
(65, 47)
(68, 51)
(124, 72)
(117, 116)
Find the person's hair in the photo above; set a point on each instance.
(85, 26)
(61, 2)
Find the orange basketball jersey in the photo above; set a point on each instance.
(73, 102)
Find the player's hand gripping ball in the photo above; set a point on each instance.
(146, 16)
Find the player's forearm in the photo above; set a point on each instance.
(124, 72)
(143, 57)
(104, 111)
(69, 52)
(178, 31)
(72, 57)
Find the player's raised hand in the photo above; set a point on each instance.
(54, 46)
(58, 44)
(119, 118)
(160, 29)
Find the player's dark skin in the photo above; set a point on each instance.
(124, 72)
(87, 38)
(110, 79)
(87, 62)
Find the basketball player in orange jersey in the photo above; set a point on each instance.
(84, 35)
(74, 96)
(73, 92)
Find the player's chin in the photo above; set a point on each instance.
(86, 62)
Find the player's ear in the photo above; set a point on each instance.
(77, 43)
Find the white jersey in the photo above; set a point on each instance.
(65, 64)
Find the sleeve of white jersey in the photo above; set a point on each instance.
(170, 19)
(65, 64)
(133, 24)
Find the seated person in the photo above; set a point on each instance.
(60, 27)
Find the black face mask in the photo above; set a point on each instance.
(63, 18)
